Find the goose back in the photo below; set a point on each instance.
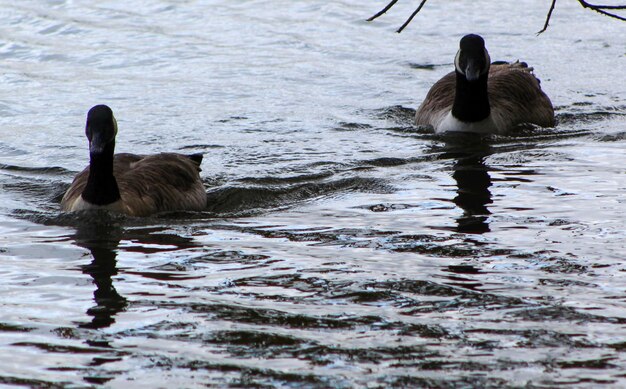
(148, 184)
(516, 97)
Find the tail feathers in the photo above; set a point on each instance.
(196, 158)
(522, 66)
(515, 65)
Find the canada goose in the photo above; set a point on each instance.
(483, 97)
(136, 185)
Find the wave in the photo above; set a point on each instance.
(236, 200)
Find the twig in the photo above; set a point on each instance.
(391, 4)
(412, 16)
(545, 26)
(384, 10)
(601, 9)
(587, 5)
(594, 7)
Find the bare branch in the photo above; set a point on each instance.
(384, 10)
(587, 5)
(545, 26)
(412, 16)
(601, 9)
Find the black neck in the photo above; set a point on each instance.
(101, 188)
(471, 101)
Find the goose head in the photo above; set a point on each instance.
(101, 128)
(472, 60)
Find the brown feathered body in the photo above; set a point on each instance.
(147, 184)
(515, 98)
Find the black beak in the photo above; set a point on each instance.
(472, 70)
(97, 143)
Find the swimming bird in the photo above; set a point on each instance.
(135, 185)
(484, 97)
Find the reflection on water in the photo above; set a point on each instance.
(473, 182)
(101, 233)
(102, 241)
(468, 153)
(342, 246)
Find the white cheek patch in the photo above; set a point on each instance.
(457, 60)
(115, 126)
(487, 62)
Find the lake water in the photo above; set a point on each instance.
(343, 246)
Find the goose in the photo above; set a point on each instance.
(484, 97)
(135, 185)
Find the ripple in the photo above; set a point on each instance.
(236, 200)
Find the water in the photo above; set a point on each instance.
(343, 246)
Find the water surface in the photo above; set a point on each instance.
(342, 246)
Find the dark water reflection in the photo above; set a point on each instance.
(473, 182)
(102, 242)
(102, 237)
